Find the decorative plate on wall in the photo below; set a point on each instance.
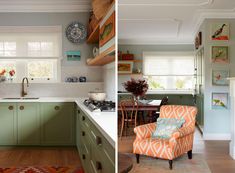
(76, 32)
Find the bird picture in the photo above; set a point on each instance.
(220, 54)
(220, 31)
(219, 77)
(219, 100)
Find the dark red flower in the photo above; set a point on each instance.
(138, 87)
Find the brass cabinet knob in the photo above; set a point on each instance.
(57, 108)
(83, 133)
(21, 107)
(83, 118)
(79, 112)
(98, 165)
(98, 140)
(83, 156)
(11, 107)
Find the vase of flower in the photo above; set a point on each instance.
(2, 75)
(11, 75)
(138, 88)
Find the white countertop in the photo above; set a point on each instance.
(41, 99)
(106, 122)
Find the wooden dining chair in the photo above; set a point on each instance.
(129, 112)
(156, 114)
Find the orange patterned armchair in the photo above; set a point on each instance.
(180, 142)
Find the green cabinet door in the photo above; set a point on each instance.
(8, 129)
(57, 124)
(28, 123)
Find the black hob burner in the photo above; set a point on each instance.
(100, 106)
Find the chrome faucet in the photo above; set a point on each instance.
(24, 92)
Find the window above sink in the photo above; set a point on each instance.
(33, 52)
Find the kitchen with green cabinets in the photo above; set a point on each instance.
(61, 122)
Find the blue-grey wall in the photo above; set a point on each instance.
(216, 122)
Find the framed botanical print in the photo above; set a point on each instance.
(219, 77)
(220, 54)
(125, 66)
(220, 31)
(107, 30)
(219, 100)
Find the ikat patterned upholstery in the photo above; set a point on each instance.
(180, 142)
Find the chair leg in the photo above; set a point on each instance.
(137, 158)
(122, 129)
(170, 164)
(190, 154)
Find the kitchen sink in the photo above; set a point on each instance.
(21, 98)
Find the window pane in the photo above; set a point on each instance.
(41, 69)
(170, 82)
(6, 67)
(7, 48)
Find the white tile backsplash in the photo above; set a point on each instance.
(51, 90)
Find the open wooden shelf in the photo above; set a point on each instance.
(134, 60)
(105, 57)
(94, 36)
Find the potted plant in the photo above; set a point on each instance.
(138, 87)
(2, 75)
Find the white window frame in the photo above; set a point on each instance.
(22, 58)
(170, 91)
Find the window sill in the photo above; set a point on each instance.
(173, 92)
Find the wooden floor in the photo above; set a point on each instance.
(216, 153)
(39, 156)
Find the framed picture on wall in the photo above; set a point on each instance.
(125, 66)
(220, 54)
(219, 100)
(198, 40)
(219, 77)
(220, 31)
(107, 30)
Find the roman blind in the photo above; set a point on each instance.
(30, 42)
(168, 64)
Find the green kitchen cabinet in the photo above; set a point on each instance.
(28, 124)
(78, 129)
(200, 114)
(8, 124)
(96, 153)
(57, 124)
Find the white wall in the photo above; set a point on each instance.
(110, 81)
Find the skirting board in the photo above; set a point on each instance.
(217, 136)
(231, 151)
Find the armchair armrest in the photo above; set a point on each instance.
(183, 131)
(144, 131)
